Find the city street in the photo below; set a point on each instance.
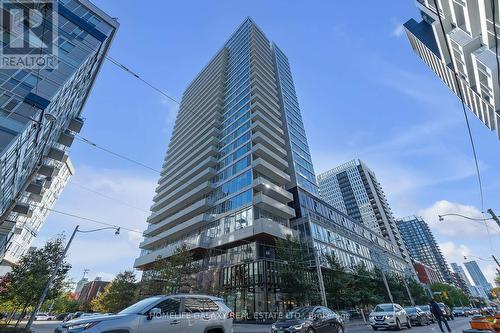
(457, 326)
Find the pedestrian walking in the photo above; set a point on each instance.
(436, 311)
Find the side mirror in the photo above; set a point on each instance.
(153, 313)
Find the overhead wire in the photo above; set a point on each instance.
(469, 130)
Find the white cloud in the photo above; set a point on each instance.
(455, 225)
(453, 252)
(398, 30)
(102, 251)
(172, 108)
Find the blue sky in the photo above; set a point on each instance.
(363, 94)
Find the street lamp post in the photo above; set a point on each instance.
(490, 211)
(56, 269)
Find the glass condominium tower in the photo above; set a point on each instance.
(238, 174)
(456, 39)
(40, 114)
(237, 145)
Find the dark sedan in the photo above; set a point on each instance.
(417, 316)
(427, 310)
(309, 319)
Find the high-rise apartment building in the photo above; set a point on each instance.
(27, 227)
(477, 276)
(422, 246)
(238, 175)
(457, 269)
(40, 110)
(354, 189)
(456, 39)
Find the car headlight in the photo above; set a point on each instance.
(273, 326)
(81, 327)
(298, 327)
(388, 316)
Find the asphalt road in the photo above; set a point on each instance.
(457, 326)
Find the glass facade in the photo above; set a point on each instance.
(300, 158)
(238, 174)
(40, 108)
(422, 246)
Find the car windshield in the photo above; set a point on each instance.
(411, 310)
(384, 308)
(141, 305)
(299, 313)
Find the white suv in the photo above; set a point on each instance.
(389, 316)
(160, 314)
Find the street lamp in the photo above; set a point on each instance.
(494, 259)
(56, 269)
(490, 211)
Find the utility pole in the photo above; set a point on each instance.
(387, 286)
(495, 217)
(498, 264)
(320, 279)
(50, 281)
(412, 301)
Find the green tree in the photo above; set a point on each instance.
(337, 282)
(297, 284)
(64, 303)
(170, 275)
(24, 284)
(450, 295)
(363, 285)
(419, 293)
(117, 295)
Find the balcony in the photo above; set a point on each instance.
(198, 242)
(273, 206)
(57, 154)
(183, 215)
(260, 227)
(173, 167)
(186, 173)
(260, 151)
(273, 143)
(179, 203)
(156, 235)
(76, 124)
(47, 170)
(277, 193)
(186, 186)
(270, 171)
(66, 139)
(268, 118)
(23, 209)
(35, 187)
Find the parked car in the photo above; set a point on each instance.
(447, 313)
(427, 310)
(44, 316)
(308, 319)
(459, 312)
(417, 316)
(61, 316)
(389, 316)
(175, 314)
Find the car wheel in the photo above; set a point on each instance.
(310, 330)
(398, 325)
(422, 321)
(408, 323)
